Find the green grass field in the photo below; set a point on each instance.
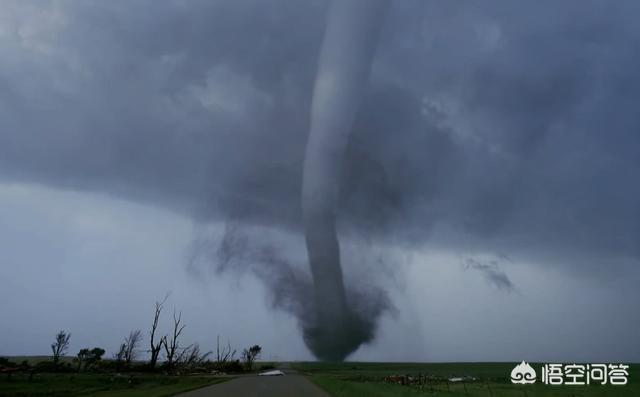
(338, 379)
(101, 385)
(367, 379)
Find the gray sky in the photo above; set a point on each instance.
(490, 189)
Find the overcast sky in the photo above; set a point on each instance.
(490, 191)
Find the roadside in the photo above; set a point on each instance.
(292, 384)
(129, 385)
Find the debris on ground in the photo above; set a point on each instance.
(275, 372)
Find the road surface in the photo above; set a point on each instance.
(289, 385)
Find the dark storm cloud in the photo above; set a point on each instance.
(499, 126)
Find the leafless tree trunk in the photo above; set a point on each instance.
(60, 346)
(119, 356)
(156, 346)
(131, 343)
(171, 346)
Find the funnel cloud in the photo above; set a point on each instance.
(343, 71)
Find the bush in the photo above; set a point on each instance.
(231, 367)
(105, 366)
(6, 363)
(266, 367)
(87, 358)
(50, 366)
(45, 366)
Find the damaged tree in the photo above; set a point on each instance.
(131, 346)
(88, 358)
(156, 346)
(224, 355)
(191, 358)
(249, 356)
(60, 346)
(119, 356)
(171, 346)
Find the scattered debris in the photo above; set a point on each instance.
(399, 379)
(275, 372)
(421, 380)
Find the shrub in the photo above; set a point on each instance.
(6, 363)
(231, 366)
(267, 367)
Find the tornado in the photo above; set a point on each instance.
(335, 328)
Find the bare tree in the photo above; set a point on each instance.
(249, 355)
(224, 355)
(171, 346)
(131, 346)
(191, 357)
(119, 356)
(156, 346)
(60, 346)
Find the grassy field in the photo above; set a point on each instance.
(101, 385)
(367, 379)
(32, 360)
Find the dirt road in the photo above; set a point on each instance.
(289, 385)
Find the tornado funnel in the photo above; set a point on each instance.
(335, 329)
